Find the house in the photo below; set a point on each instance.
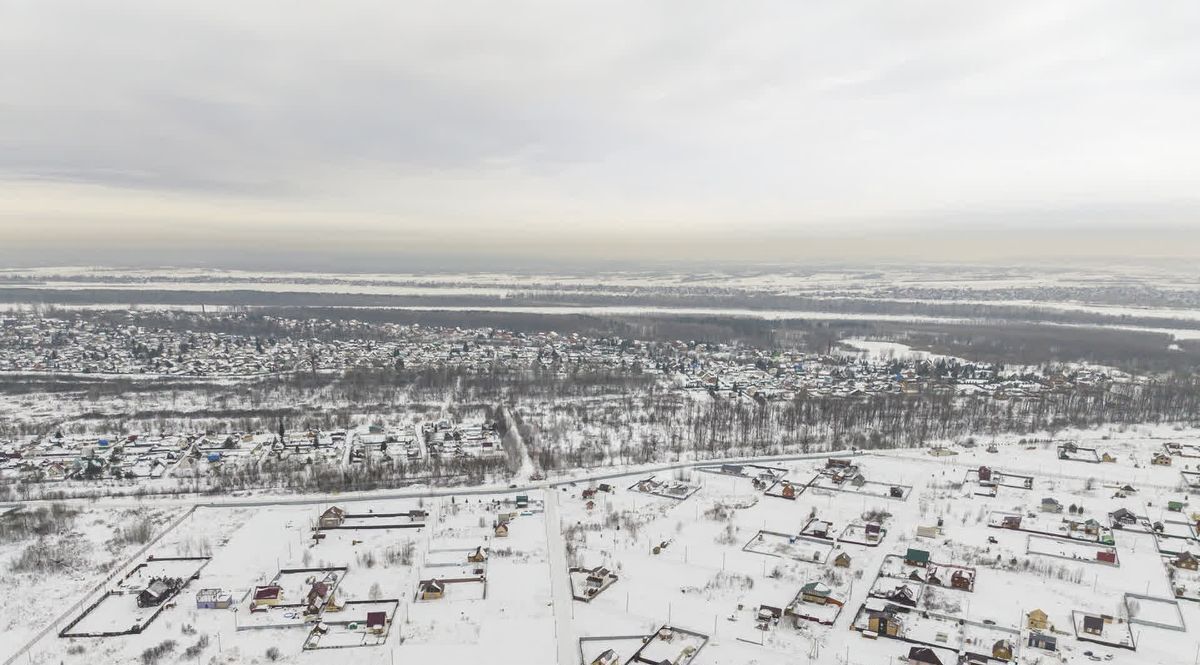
(1161, 459)
(1002, 649)
(1104, 458)
(915, 557)
(962, 579)
(903, 595)
(213, 599)
(874, 531)
(815, 592)
(605, 487)
(923, 655)
(431, 589)
(598, 578)
(1122, 516)
(1037, 620)
(321, 597)
(1043, 641)
(501, 530)
(896, 492)
(1051, 505)
(1186, 561)
(1175, 506)
(478, 556)
(789, 491)
(590, 493)
(266, 596)
(522, 501)
(1011, 522)
(1107, 556)
(1093, 625)
(883, 622)
(985, 474)
(332, 518)
(155, 593)
(842, 560)
(928, 532)
(376, 622)
(417, 514)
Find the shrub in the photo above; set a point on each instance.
(155, 653)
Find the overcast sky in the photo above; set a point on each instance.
(612, 129)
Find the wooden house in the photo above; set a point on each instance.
(1037, 620)
(1186, 561)
(266, 596)
(883, 622)
(332, 518)
(962, 579)
(431, 589)
(842, 560)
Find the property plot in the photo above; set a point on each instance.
(670, 489)
(790, 546)
(1182, 449)
(1014, 480)
(609, 650)
(1191, 479)
(934, 630)
(767, 474)
(899, 591)
(1157, 612)
(393, 521)
(137, 599)
(1102, 629)
(817, 603)
(358, 624)
(671, 645)
(868, 535)
(587, 583)
(1074, 453)
(787, 489)
(860, 485)
(1065, 548)
(441, 589)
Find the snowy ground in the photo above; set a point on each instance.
(701, 579)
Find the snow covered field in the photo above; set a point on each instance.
(681, 562)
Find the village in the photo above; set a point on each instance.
(953, 554)
(123, 347)
(136, 457)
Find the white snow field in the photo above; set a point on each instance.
(690, 565)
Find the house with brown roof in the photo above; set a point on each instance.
(332, 518)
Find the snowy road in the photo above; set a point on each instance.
(560, 584)
(526, 471)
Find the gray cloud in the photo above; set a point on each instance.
(567, 122)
